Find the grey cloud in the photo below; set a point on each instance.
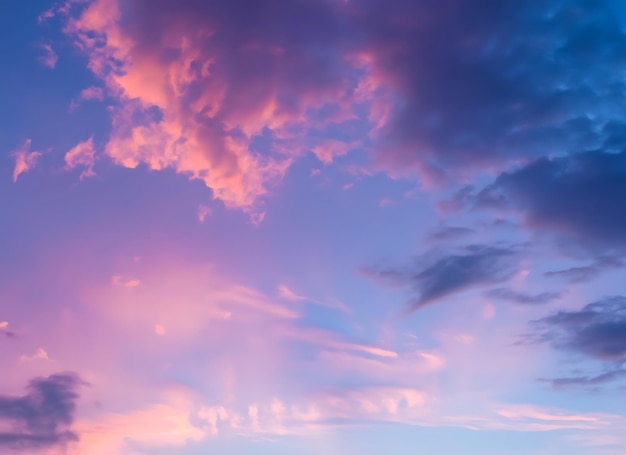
(43, 417)
(439, 276)
(597, 331)
(488, 81)
(590, 381)
(580, 197)
(523, 298)
(583, 274)
(450, 233)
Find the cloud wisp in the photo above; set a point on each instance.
(522, 298)
(435, 278)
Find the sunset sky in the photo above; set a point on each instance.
(302, 227)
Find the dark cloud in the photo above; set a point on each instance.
(597, 331)
(451, 233)
(522, 298)
(451, 85)
(488, 81)
(583, 274)
(589, 381)
(580, 197)
(43, 417)
(435, 276)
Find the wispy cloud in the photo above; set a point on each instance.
(435, 278)
(25, 160)
(522, 298)
(48, 57)
(82, 155)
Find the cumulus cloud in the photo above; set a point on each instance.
(439, 87)
(435, 278)
(43, 417)
(202, 80)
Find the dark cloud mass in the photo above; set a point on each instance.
(598, 330)
(581, 196)
(43, 417)
(486, 81)
(455, 85)
(437, 277)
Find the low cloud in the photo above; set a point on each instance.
(43, 417)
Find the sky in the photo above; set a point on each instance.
(301, 227)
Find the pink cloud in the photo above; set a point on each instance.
(92, 93)
(83, 155)
(285, 293)
(317, 413)
(328, 149)
(24, 159)
(40, 354)
(164, 423)
(89, 93)
(203, 212)
(193, 97)
(49, 57)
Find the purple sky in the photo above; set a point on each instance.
(313, 227)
